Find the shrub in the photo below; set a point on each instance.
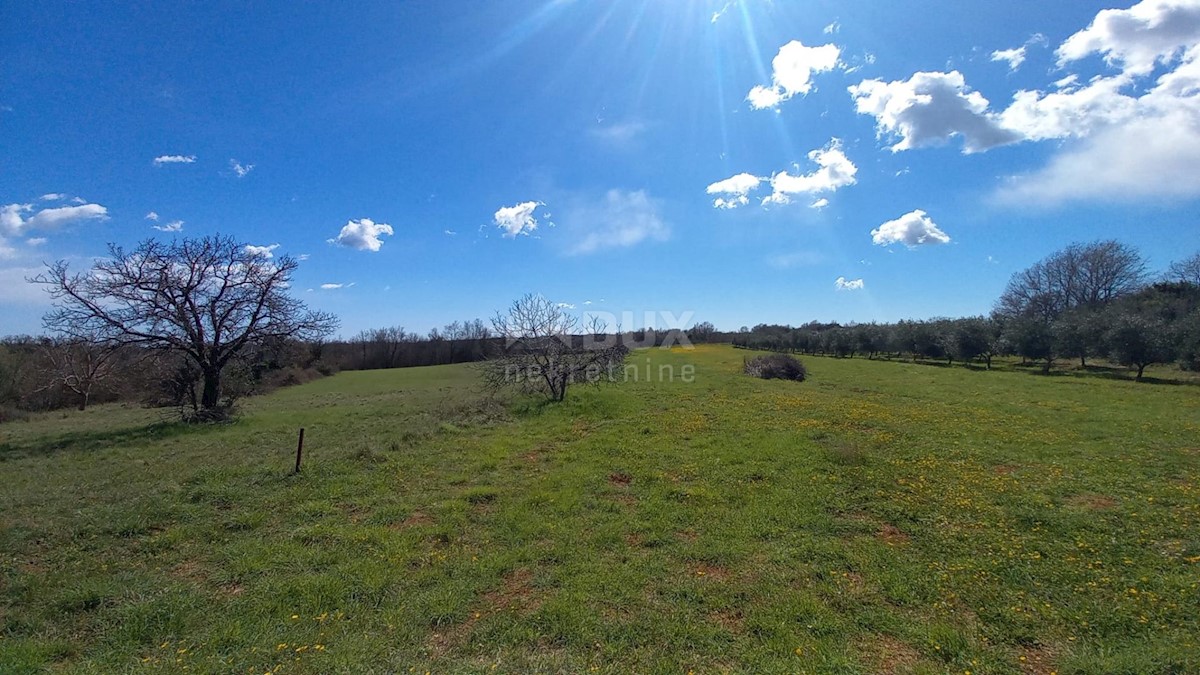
(775, 366)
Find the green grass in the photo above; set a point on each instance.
(880, 517)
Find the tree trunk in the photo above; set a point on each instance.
(989, 361)
(1141, 367)
(1083, 360)
(83, 400)
(211, 397)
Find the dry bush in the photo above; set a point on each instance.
(775, 367)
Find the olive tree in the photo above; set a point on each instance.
(1136, 340)
(207, 299)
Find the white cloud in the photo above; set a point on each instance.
(1067, 82)
(331, 287)
(173, 226)
(262, 251)
(65, 215)
(11, 220)
(174, 159)
(1150, 32)
(834, 171)
(517, 219)
(1071, 111)
(240, 169)
(718, 14)
(618, 220)
(152, 216)
(929, 109)
(564, 305)
(53, 197)
(362, 235)
(734, 189)
(819, 204)
(302, 257)
(1014, 57)
(78, 200)
(912, 229)
(619, 133)
(1146, 159)
(13, 223)
(832, 28)
(792, 71)
(450, 233)
(36, 241)
(1128, 140)
(844, 284)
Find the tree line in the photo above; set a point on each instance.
(198, 323)
(1086, 301)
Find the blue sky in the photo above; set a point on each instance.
(746, 161)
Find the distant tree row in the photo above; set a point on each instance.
(1085, 301)
(199, 323)
(459, 342)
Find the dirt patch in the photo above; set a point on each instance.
(851, 580)
(445, 639)
(1005, 469)
(714, 572)
(1093, 502)
(516, 593)
(31, 567)
(892, 536)
(1036, 660)
(620, 478)
(415, 519)
(189, 570)
(732, 620)
(633, 540)
(687, 535)
(354, 512)
(887, 655)
(625, 499)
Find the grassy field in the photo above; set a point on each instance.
(883, 517)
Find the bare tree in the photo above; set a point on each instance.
(207, 298)
(1080, 275)
(546, 349)
(1186, 271)
(79, 365)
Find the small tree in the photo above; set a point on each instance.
(1079, 333)
(1138, 341)
(1033, 339)
(969, 339)
(702, 332)
(207, 299)
(1186, 270)
(546, 350)
(78, 366)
